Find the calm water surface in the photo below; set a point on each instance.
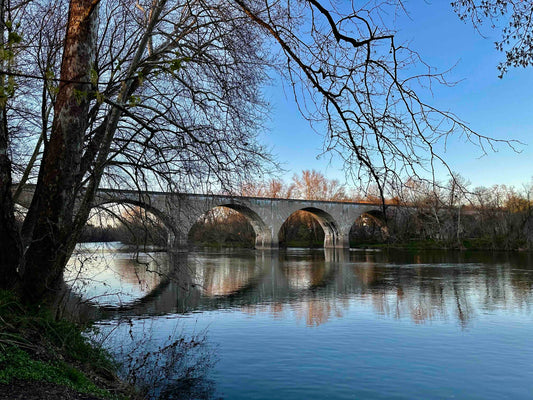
(309, 324)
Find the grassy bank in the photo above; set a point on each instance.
(41, 357)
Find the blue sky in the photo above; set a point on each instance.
(500, 108)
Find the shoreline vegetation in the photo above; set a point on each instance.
(309, 235)
(474, 244)
(469, 244)
(42, 357)
(421, 245)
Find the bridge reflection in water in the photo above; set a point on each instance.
(306, 284)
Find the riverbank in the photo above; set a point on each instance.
(45, 358)
(473, 244)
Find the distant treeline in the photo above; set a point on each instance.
(495, 218)
(127, 224)
(430, 215)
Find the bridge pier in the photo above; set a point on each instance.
(337, 255)
(266, 240)
(343, 238)
(336, 241)
(177, 242)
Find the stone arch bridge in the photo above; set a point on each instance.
(266, 215)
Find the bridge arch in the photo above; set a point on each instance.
(332, 233)
(161, 215)
(261, 229)
(179, 211)
(369, 227)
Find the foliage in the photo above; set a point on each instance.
(223, 227)
(368, 230)
(301, 229)
(36, 346)
(17, 364)
(454, 216)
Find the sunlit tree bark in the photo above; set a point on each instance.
(50, 214)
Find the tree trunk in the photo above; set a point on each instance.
(55, 195)
(10, 246)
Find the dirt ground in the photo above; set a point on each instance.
(25, 390)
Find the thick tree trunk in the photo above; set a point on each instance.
(10, 246)
(54, 199)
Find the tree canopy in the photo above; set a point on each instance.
(514, 19)
(167, 94)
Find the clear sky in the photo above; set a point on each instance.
(500, 108)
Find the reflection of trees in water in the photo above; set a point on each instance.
(317, 312)
(522, 282)
(419, 293)
(103, 274)
(425, 291)
(418, 288)
(412, 287)
(314, 311)
(302, 285)
(415, 288)
(146, 271)
(224, 276)
(302, 275)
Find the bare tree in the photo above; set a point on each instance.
(313, 185)
(127, 112)
(166, 94)
(273, 188)
(356, 82)
(514, 18)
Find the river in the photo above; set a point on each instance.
(315, 324)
